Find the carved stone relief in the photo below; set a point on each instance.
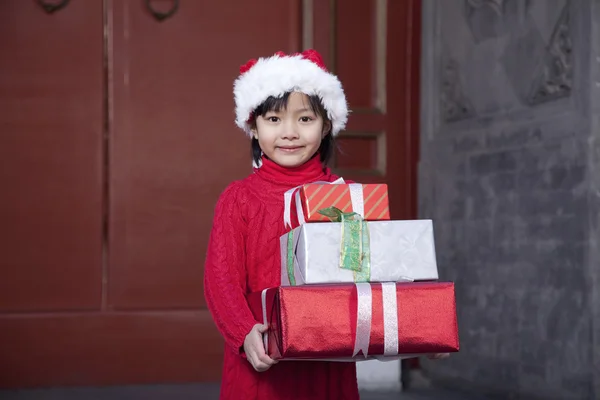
(454, 104)
(494, 18)
(521, 57)
(554, 77)
(540, 71)
(535, 52)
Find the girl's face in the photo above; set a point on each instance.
(292, 135)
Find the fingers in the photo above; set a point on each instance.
(255, 351)
(261, 363)
(262, 356)
(259, 347)
(265, 359)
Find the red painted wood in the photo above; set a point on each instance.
(357, 153)
(354, 50)
(67, 349)
(174, 146)
(51, 88)
(403, 67)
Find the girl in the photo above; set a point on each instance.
(291, 108)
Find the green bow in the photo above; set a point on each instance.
(355, 249)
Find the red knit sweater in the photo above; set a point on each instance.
(243, 257)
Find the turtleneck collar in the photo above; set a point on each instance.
(311, 171)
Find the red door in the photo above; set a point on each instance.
(116, 147)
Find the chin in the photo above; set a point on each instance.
(290, 162)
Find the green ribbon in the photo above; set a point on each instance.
(355, 252)
(290, 258)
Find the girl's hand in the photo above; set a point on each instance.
(438, 356)
(255, 350)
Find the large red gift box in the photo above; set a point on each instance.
(303, 204)
(354, 321)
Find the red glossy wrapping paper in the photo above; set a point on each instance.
(320, 321)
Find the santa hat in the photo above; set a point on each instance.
(274, 76)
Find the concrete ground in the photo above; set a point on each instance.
(194, 392)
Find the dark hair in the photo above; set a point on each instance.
(277, 104)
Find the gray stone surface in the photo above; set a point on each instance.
(510, 174)
(594, 195)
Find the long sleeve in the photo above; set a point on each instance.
(225, 270)
(244, 257)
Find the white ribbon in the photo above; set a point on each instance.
(390, 319)
(263, 299)
(357, 199)
(287, 200)
(299, 211)
(364, 319)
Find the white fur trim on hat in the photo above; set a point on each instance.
(276, 75)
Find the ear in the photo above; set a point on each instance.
(254, 133)
(326, 128)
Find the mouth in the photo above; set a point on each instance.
(289, 149)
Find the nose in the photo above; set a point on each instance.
(290, 130)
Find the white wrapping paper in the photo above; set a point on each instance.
(400, 251)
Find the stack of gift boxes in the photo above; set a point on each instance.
(355, 285)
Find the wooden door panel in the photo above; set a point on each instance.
(108, 349)
(403, 65)
(174, 145)
(360, 33)
(355, 51)
(51, 166)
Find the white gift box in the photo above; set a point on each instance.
(399, 251)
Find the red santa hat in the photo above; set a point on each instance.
(274, 76)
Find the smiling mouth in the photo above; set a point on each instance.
(290, 149)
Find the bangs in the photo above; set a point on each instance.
(277, 104)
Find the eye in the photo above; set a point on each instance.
(306, 119)
(273, 119)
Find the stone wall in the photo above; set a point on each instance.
(510, 174)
